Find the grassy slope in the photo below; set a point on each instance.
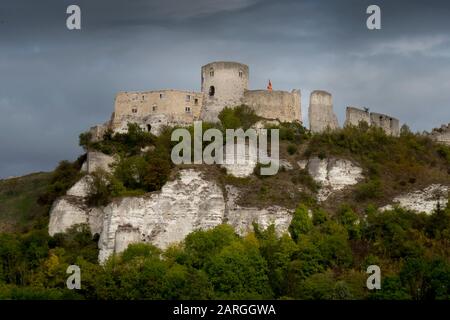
(18, 201)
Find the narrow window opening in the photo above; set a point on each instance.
(149, 127)
(212, 91)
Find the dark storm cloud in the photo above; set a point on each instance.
(55, 83)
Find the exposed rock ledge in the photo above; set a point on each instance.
(189, 203)
(425, 200)
(332, 174)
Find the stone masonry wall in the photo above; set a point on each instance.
(180, 106)
(281, 105)
(354, 116)
(321, 115)
(442, 134)
(389, 124)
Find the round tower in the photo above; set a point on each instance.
(223, 85)
(321, 114)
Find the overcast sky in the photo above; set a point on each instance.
(56, 83)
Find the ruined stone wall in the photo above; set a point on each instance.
(354, 116)
(98, 160)
(442, 134)
(178, 106)
(389, 124)
(281, 105)
(223, 85)
(97, 132)
(321, 114)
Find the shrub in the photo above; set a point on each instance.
(292, 149)
(369, 190)
(301, 223)
(103, 187)
(238, 117)
(64, 177)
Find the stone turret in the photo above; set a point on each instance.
(321, 114)
(223, 85)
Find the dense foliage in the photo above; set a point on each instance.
(323, 258)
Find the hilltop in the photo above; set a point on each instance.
(211, 231)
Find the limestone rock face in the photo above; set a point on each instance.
(242, 218)
(162, 218)
(425, 200)
(244, 162)
(184, 205)
(81, 188)
(65, 213)
(68, 211)
(333, 175)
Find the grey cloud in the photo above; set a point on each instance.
(55, 83)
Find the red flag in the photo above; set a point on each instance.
(269, 86)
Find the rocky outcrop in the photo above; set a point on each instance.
(425, 200)
(69, 211)
(332, 174)
(182, 206)
(242, 218)
(244, 162)
(81, 188)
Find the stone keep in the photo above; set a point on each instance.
(223, 85)
(321, 114)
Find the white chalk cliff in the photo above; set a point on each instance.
(425, 200)
(332, 174)
(184, 205)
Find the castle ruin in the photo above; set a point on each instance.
(321, 114)
(442, 134)
(223, 84)
(390, 125)
(226, 84)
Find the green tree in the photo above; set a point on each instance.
(301, 223)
